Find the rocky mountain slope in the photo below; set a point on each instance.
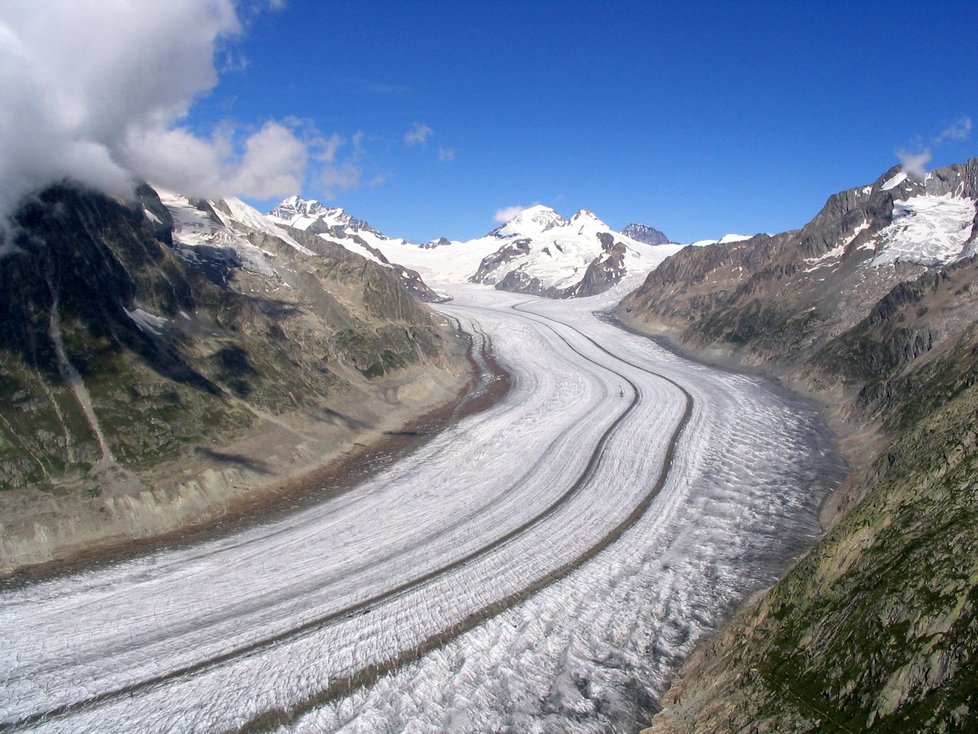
(537, 252)
(162, 356)
(645, 233)
(871, 309)
(335, 225)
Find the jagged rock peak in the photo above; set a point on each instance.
(296, 206)
(312, 216)
(645, 233)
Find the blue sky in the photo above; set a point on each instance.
(698, 119)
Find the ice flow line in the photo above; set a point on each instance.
(371, 673)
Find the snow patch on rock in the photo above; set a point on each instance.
(147, 322)
(926, 230)
(894, 182)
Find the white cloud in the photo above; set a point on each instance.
(96, 90)
(446, 155)
(914, 163)
(418, 134)
(507, 214)
(274, 163)
(329, 146)
(234, 61)
(341, 177)
(960, 129)
(358, 143)
(172, 158)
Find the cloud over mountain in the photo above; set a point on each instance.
(97, 90)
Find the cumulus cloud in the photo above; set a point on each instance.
(274, 162)
(418, 135)
(913, 162)
(446, 155)
(507, 214)
(960, 129)
(97, 91)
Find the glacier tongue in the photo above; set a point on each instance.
(222, 634)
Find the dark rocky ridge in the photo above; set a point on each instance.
(645, 233)
(121, 358)
(877, 624)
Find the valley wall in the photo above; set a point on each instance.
(876, 626)
(152, 383)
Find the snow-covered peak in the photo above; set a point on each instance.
(726, 239)
(302, 213)
(296, 206)
(313, 217)
(531, 221)
(550, 253)
(587, 218)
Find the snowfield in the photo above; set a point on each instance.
(541, 244)
(542, 566)
(927, 230)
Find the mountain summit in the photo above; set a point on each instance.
(533, 220)
(645, 233)
(537, 251)
(544, 254)
(316, 218)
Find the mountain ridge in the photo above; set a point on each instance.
(645, 233)
(870, 309)
(150, 344)
(537, 251)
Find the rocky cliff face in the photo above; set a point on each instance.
(645, 233)
(872, 309)
(140, 341)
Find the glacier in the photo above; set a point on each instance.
(544, 565)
